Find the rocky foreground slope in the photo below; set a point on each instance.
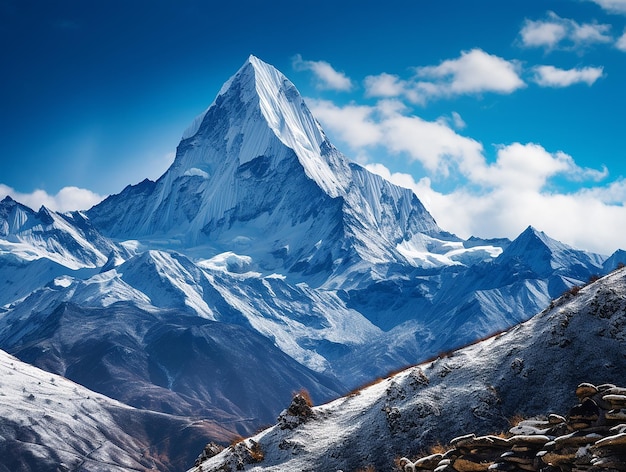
(529, 370)
(592, 437)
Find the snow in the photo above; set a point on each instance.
(532, 369)
(74, 427)
(196, 172)
(63, 281)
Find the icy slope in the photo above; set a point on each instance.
(255, 174)
(52, 424)
(528, 370)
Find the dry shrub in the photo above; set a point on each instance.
(236, 440)
(256, 453)
(357, 390)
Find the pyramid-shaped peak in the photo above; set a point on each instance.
(257, 112)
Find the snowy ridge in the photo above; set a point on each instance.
(66, 239)
(288, 118)
(531, 369)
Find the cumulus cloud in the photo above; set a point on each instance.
(327, 77)
(67, 199)
(563, 33)
(550, 76)
(432, 143)
(353, 124)
(487, 199)
(473, 72)
(594, 219)
(612, 6)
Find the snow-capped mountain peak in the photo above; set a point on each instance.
(267, 106)
(545, 254)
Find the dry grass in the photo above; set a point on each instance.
(256, 453)
(236, 440)
(357, 391)
(515, 420)
(437, 449)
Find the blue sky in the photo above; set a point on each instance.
(498, 114)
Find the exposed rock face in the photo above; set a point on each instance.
(298, 412)
(591, 438)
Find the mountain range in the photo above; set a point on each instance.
(529, 371)
(262, 262)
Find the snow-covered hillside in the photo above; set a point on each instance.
(529, 370)
(50, 424)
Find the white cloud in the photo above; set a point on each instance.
(487, 199)
(458, 121)
(542, 33)
(612, 6)
(67, 199)
(563, 33)
(327, 77)
(550, 76)
(384, 85)
(474, 72)
(591, 219)
(353, 124)
(433, 143)
(621, 43)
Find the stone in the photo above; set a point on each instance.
(429, 462)
(555, 419)
(462, 440)
(618, 440)
(586, 411)
(620, 428)
(585, 390)
(614, 391)
(533, 440)
(617, 401)
(577, 438)
(505, 466)
(511, 456)
(560, 457)
(471, 463)
(610, 463)
(616, 415)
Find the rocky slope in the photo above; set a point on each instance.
(592, 437)
(526, 371)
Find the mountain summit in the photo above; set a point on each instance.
(256, 174)
(267, 107)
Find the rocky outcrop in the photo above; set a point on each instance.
(592, 438)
